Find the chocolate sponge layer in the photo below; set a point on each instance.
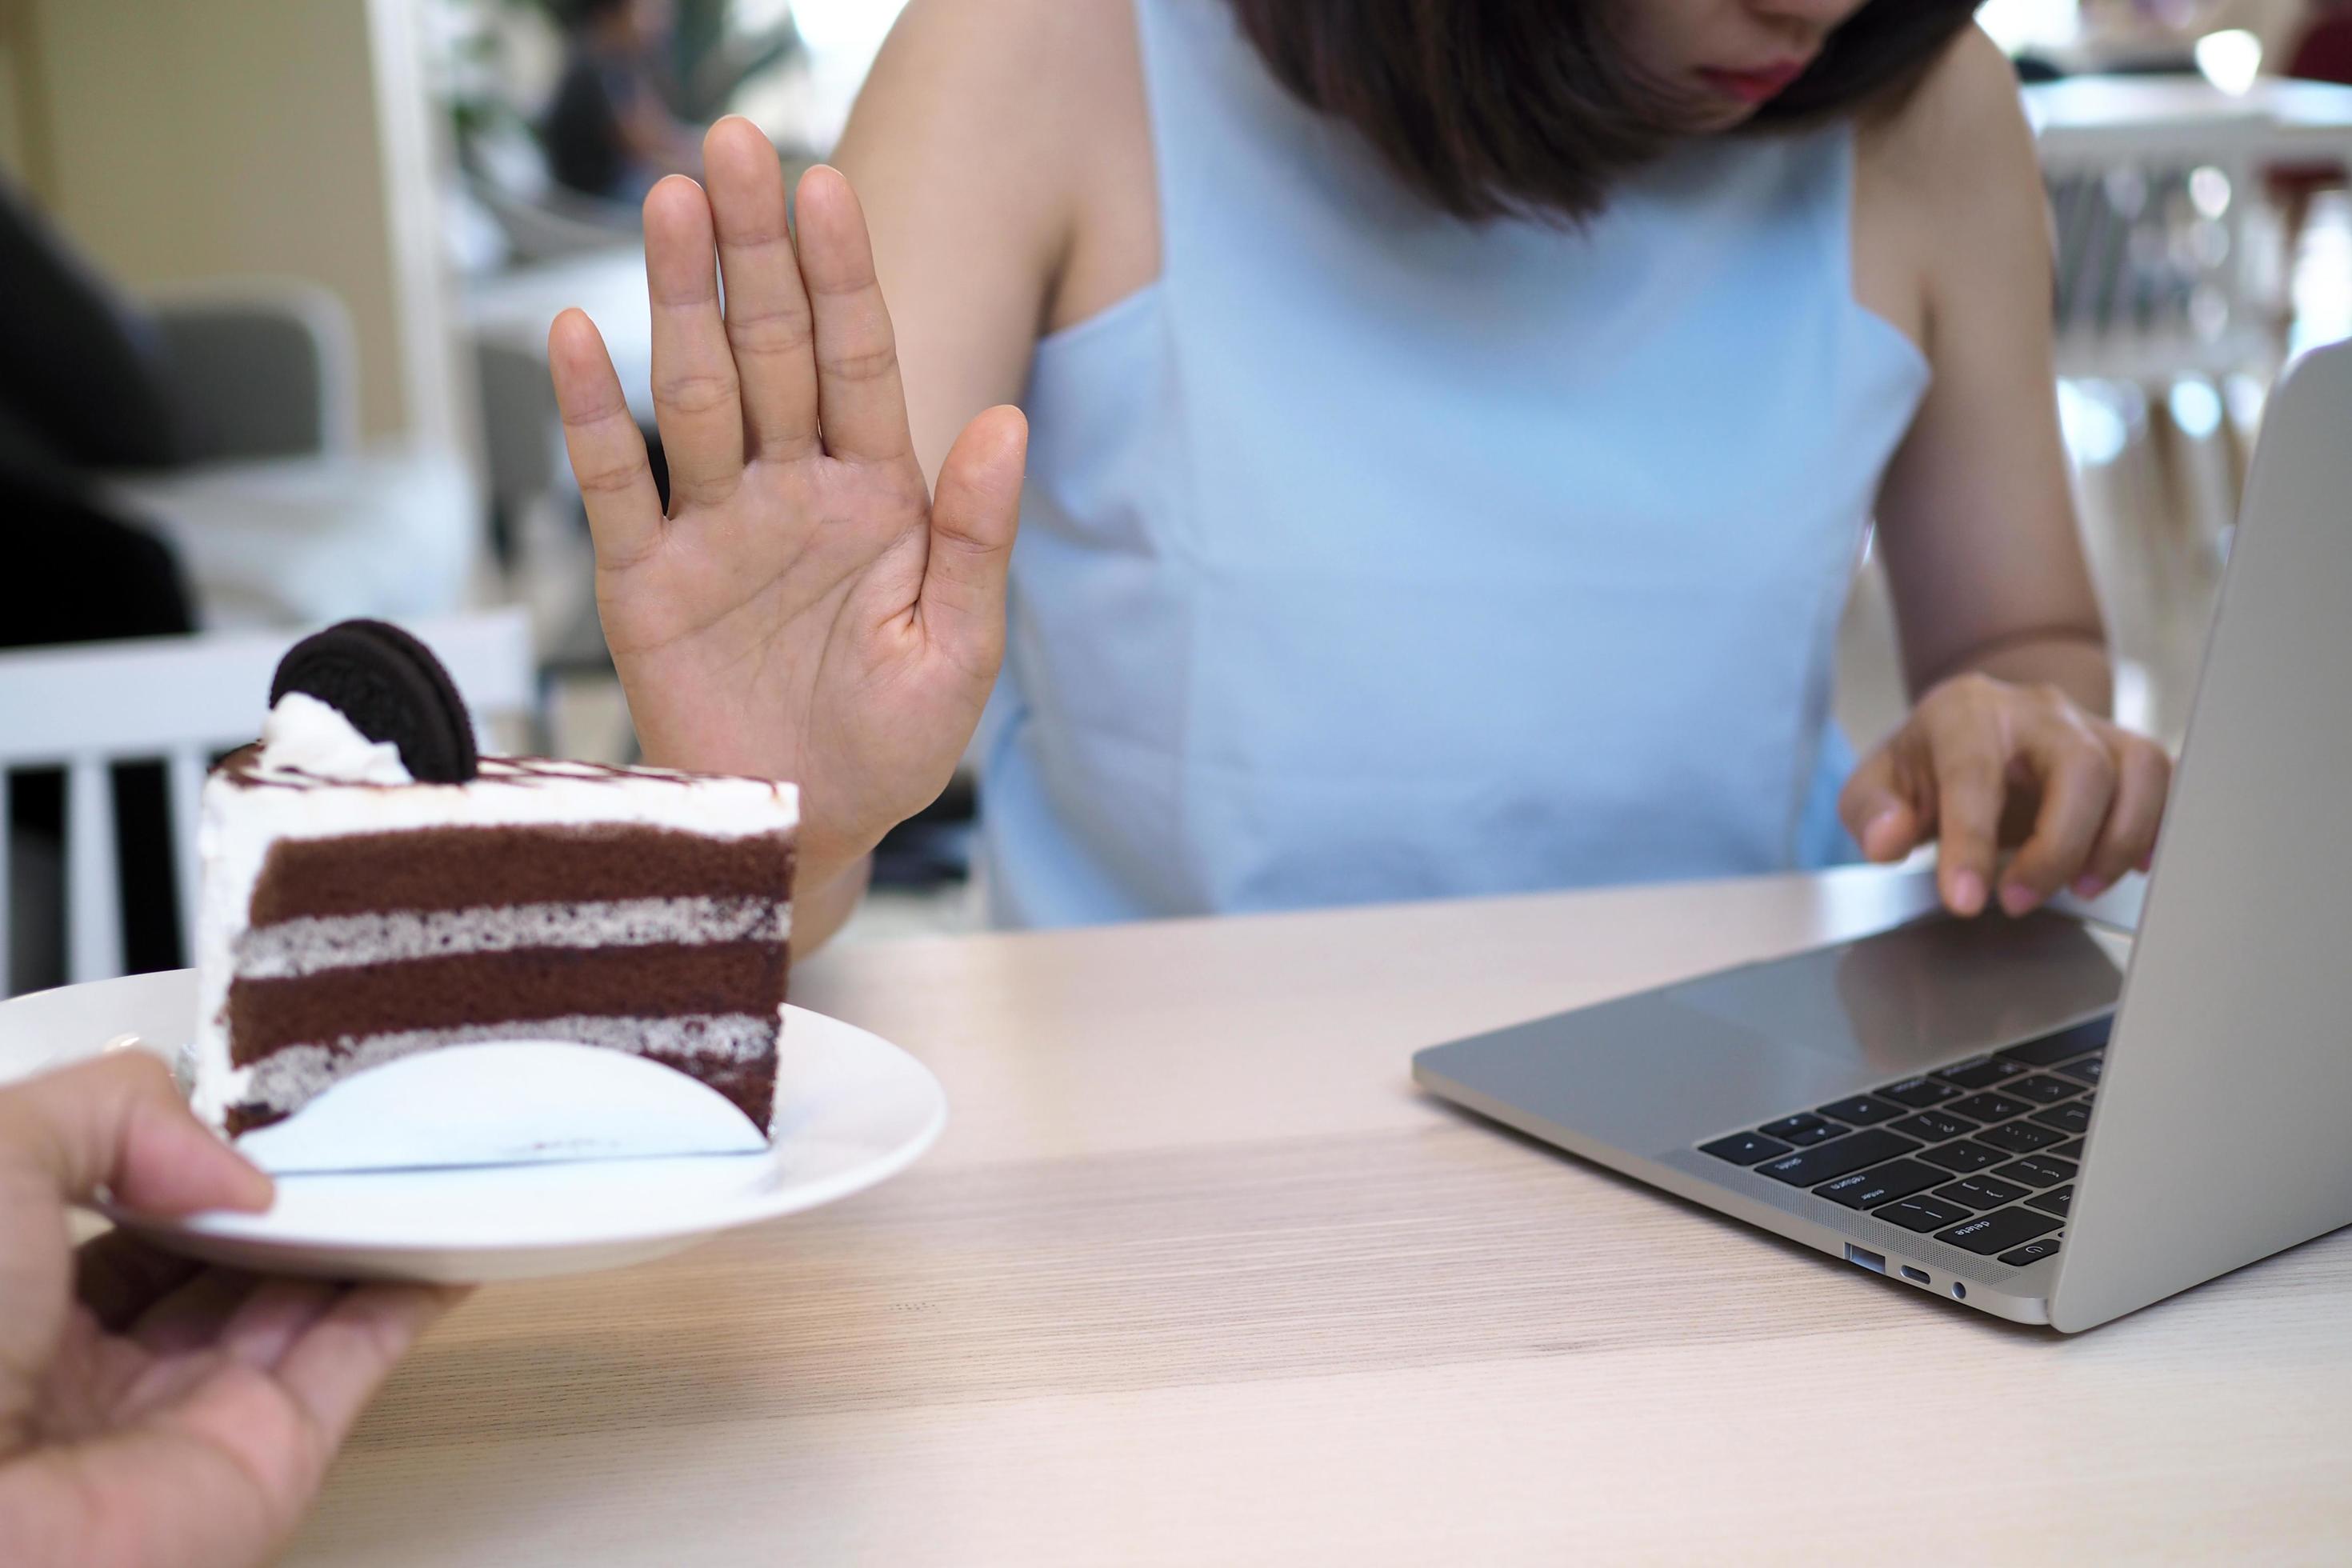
(466, 868)
(661, 981)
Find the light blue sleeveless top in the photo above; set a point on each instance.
(1368, 554)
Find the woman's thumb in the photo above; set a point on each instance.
(974, 515)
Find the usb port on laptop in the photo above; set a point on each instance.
(1874, 1261)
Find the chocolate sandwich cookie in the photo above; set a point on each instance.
(391, 688)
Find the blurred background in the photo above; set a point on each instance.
(324, 242)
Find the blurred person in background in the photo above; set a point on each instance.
(609, 130)
(1456, 429)
(84, 391)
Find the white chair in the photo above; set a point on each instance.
(183, 700)
(280, 513)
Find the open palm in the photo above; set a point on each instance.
(807, 610)
(155, 1412)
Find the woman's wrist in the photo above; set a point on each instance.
(825, 893)
(2075, 661)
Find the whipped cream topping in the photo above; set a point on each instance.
(305, 735)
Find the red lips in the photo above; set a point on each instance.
(1753, 86)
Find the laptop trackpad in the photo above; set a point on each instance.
(1664, 1068)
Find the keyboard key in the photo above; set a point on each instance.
(2080, 1040)
(1863, 1110)
(1992, 1233)
(1919, 1093)
(2088, 1068)
(2056, 1202)
(2070, 1149)
(1810, 1167)
(2019, 1137)
(1801, 1129)
(1924, 1214)
(1883, 1184)
(2041, 1088)
(1744, 1148)
(1934, 1126)
(1964, 1157)
(1981, 1193)
(2074, 1118)
(2038, 1171)
(1980, 1072)
(2033, 1251)
(1988, 1107)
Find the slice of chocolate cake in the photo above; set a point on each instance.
(352, 914)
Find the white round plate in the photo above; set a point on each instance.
(854, 1111)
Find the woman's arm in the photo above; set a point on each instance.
(823, 600)
(1976, 517)
(977, 145)
(971, 149)
(2003, 641)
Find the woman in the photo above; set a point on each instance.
(1456, 426)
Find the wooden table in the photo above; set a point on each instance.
(1196, 1275)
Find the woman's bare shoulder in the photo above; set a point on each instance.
(1029, 111)
(1001, 75)
(1959, 134)
(1949, 198)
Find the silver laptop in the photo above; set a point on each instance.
(2039, 1118)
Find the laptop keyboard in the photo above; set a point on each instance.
(1980, 1155)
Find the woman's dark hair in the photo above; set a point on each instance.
(1492, 108)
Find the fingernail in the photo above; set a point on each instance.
(2016, 898)
(2147, 863)
(2088, 887)
(1968, 893)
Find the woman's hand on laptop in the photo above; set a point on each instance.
(1981, 764)
(809, 609)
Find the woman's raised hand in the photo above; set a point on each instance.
(809, 609)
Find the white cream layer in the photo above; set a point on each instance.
(315, 943)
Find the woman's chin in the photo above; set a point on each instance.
(1714, 119)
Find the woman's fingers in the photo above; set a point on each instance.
(973, 518)
(2143, 778)
(1877, 810)
(695, 400)
(2096, 793)
(860, 403)
(1969, 772)
(607, 450)
(767, 309)
(2077, 779)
